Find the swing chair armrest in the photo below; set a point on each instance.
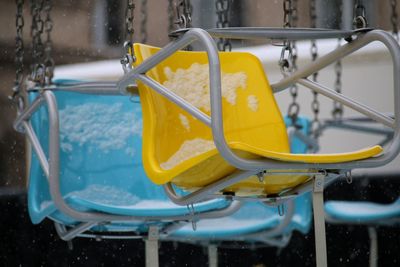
(362, 40)
(281, 34)
(88, 87)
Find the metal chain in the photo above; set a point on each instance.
(48, 46)
(288, 60)
(393, 19)
(286, 52)
(223, 8)
(337, 112)
(143, 21)
(360, 18)
(129, 17)
(315, 105)
(184, 14)
(171, 23)
(128, 58)
(19, 56)
(37, 27)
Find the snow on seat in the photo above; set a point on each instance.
(100, 161)
(362, 211)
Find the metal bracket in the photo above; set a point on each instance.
(152, 247)
(212, 255)
(319, 220)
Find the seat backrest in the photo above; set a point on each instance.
(250, 112)
(100, 161)
(100, 153)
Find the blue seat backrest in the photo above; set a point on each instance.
(100, 153)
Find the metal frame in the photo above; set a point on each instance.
(51, 166)
(247, 167)
(265, 236)
(360, 124)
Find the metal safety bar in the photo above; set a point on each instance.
(95, 88)
(260, 236)
(216, 122)
(283, 34)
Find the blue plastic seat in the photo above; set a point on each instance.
(100, 163)
(362, 212)
(256, 217)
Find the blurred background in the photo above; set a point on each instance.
(88, 31)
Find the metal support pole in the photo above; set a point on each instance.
(319, 221)
(152, 247)
(373, 247)
(212, 255)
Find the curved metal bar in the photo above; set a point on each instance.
(265, 33)
(322, 62)
(346, 101)
(27, 113)
(261, 236)
(68, 235)
(96, 88)
(205, 191)
(34, 141)
(245, 164)
(279, 229)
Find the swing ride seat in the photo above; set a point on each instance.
(179, 148)
(100, 164)
(362, 212)
(255, 221)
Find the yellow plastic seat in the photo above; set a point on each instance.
(253, 126)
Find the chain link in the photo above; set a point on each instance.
(48, 46)
(129, 17)
(337, 112)
(288, 60)
(394, 19)
(143, 21)
(19, 56)
(171, 26)
(128, 58)
(184, 14)
(315, 105)
(223, 8)
(360, 18)
(37, 27)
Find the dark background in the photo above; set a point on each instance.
(24, 244)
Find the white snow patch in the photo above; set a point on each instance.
(193, 84)
(101, 126)
(188, 149)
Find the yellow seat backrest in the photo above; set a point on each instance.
(251, 115)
